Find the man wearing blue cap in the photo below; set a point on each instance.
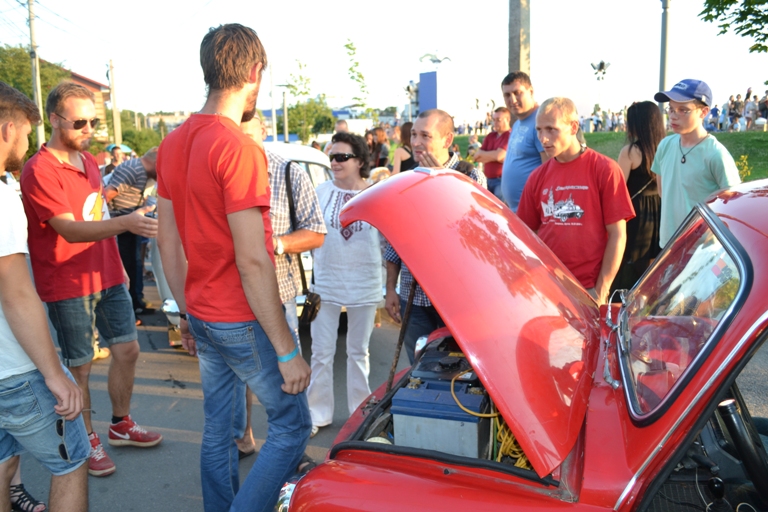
(689, 164)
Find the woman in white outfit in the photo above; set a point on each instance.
(347, 272)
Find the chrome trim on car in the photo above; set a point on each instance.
(744, 264)
(726, 362)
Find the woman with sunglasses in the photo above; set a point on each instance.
(347, 273)
(645, 129)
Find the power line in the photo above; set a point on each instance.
(59, 16)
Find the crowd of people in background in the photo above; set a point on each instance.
(236, 271)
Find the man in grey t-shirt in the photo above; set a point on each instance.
(125, 193)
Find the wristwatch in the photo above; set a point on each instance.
(279, 249)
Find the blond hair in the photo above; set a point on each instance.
(564, 106)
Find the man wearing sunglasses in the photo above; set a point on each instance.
(31, 376)
(690, 164)
(76, 262)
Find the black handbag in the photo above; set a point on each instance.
(311, 299)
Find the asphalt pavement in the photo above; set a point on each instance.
(167, 398)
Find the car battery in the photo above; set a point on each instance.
(425, 414)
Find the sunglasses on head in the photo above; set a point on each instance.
(80, 123)
(341, 157)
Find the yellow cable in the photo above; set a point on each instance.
(508, 444)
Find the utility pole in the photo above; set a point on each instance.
(519, 36)
(664, 39)
(113, 100)
(36, 90)
(285, 116)
(272, 99)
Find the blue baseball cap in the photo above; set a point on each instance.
(687, 90)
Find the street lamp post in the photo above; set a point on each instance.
(664, 39)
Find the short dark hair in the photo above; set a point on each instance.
(15, 106)
(62, 92)
(227, 53)
(444, 121)
(359, 149)
(518, 76)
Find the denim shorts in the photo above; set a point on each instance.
(75, 320)
(28, 424)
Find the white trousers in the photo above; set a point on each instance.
(324, 335)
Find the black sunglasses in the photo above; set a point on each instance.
(341, 157)
(60, 431)
(80, 123)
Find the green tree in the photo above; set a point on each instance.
(312, 116)
(16, 71)
(748, 18)
(361, 100)
(141, 140)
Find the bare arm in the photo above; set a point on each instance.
(625, 162)
(658, 183)
(74, 231)
(301, 240)
(392, 300)
(257, 274)
(26, 318)
(174, 264)
(614, 250)
(110, 193)
(497, 155)
(397, 160)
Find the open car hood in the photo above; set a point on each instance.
(529, 329)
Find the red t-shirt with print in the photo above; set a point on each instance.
(570, 204)
(492, 142)
(66, 270)
(209, 169)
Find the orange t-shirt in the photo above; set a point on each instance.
(208, 168)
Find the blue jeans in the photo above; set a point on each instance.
(230, 354)
(109, 310)
(28, 423)
(494, 187)
(423, 320)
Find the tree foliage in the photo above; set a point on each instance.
(748, 18)
(309, 117)
(141, 140)
(16, 71)
(361, 100)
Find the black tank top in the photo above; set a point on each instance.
(409, 163)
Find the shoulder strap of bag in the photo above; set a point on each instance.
(294, 222)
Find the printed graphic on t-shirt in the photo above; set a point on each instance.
(563, 210)
(94, 207)
(339, 200)
(517, 139)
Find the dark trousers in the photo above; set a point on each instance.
(424, 320)
(130, 254)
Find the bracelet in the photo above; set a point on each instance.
(288, 357)
(183, 316)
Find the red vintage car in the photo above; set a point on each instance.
(533, 397)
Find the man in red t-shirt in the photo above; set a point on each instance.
(215, 241)
(494, 149)
(76, 264)
(577, 201)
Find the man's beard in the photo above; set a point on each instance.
(72, 144)
(250, 106)
(14, 162)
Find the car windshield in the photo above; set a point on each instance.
(671, 315)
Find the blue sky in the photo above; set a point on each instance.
(154, 45)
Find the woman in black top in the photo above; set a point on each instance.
(380, 152)
(645, 129)
(404, 159)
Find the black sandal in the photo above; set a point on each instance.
(24, 502)
(305, 465)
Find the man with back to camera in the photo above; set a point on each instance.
(577, 201)
(31, 375)
(494, 150)
(221, 271)
(431, 138)
(76, 264)
(524, 151)
(690, 164)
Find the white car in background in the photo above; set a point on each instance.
(318, 167)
